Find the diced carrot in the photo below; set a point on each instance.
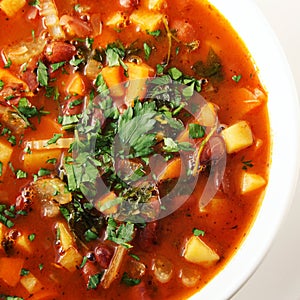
(113, 77)
(10, 269)
(76, 85)
(37, 159)
(5, 154)
(50, 124)
(172, 170)
(137, 76)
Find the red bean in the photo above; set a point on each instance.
(147, 237)
(59, 51)
(103, 255)
(88, 270)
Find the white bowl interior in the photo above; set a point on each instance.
(276, 76)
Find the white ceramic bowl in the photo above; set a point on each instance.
(250, 24)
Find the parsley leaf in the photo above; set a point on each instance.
(94, 281)
(122, 234)
(42, 74)
(196, 131)
(130, 281)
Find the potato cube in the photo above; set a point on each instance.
(155, 4)
(146, 20)
(117, 20)
(196, 251)
(5, 155)
(24, 243)
(237, 137)
(31, 283)
(251, 182)
(70, 259)
(11, 7)
(65, 237)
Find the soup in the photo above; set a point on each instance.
(134, 148)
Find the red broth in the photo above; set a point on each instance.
(62, 236)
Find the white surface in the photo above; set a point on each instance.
(278, 277)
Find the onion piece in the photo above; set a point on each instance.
(163, 269)
(50, 14)
(112, 272)
(62, 143)
(23, 52)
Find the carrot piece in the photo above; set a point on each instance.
(10, 269)
(172, 170)
(137, 76)
(113, 77)
(76, 85)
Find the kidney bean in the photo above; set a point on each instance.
(147, 236)
(103, 255)
(59, 51)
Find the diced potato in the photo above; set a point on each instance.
(113, 77)
(237, 137)
(117, 20)
(76, 85)
(146, 20)
(196, 251)
(36, 159)
(207, 115)
(155, 4)
(65, 237)
(105, 201)
(11, 7)
(71, 259)
(62, 143)
(137, 76)
(24, 243)
(5, 155)
(31, 283)
(172, 170)
(251, 182)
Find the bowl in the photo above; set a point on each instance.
(275, 74)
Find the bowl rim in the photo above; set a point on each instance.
(265, 49)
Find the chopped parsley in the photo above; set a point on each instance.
(198, 232)
(236, 78)
(147, 50)
(94, 281)
(196, 131)
(42, 74)
(126, 279)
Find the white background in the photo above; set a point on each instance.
(278, 277)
